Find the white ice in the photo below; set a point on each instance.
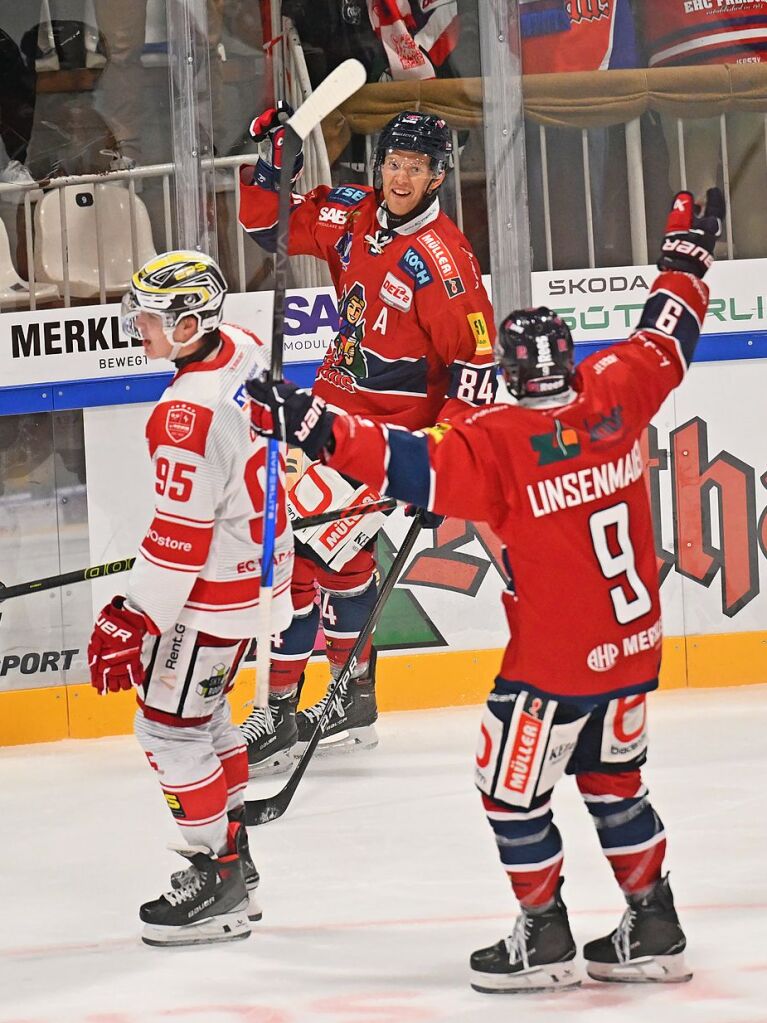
(376, 885)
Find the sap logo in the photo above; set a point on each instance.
(602, 657)
(346, 195)
(414, 266)
(329, 214)
(395, 293)
(307, 316)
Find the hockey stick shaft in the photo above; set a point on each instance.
(83, 575)
(260, 811)
(337, 87)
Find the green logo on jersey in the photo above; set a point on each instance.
(558, 446)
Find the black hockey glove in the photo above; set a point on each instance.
(285, 412)
(267, 130)
(429, 520)
(691, 233)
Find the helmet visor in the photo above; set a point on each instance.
(130, 310)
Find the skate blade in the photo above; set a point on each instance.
(224, 927)
(556, 977)
(365, 737)
(254, 910)
(647, 970)
(277, 763)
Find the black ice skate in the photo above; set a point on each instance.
(537, 956)
(350, 721)
(212, 907)
(250, 874)
(646, 947)
(271, 735)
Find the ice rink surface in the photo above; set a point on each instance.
(376, 885)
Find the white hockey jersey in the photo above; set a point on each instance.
(200, 561)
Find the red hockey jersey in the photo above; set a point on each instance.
(199, 563)
(416, 330)
(704, 31)
(563, 489)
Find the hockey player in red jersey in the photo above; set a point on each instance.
(414, 345)
(559, 478)
(191, 599)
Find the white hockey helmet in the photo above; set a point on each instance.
(174, 285)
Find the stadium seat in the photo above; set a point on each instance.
(114, 215)
(14, 292)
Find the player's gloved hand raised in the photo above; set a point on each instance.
(114, 650)
(268, 131)
(288, 413)
(429, 520)
(691, 233)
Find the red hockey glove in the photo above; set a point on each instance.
(114, 651)
(268, 131)
(429, 520)
(285, 412)
(691, 233)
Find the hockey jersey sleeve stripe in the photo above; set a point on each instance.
(173, 566)
(180, 546)
(182, 520)
(409, 472)
(675, 309)
(720, 44)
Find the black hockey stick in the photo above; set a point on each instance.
(81, 575)
(261, 811)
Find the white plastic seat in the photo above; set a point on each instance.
(114, 216)
(14, 292)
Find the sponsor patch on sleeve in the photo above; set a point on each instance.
(438, 431)
(481, 334)
(396, 293)
(346, 195)
(414, 266)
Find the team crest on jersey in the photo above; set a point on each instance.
(345, 360)
(604, 426)
(179, 422)
(559, 445)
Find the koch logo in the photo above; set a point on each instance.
(414, 266)
(602, 657)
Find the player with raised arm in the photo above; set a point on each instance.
(190, 604)
(559, 478)
(414, 345)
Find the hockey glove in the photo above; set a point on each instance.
(285, 412)
(268, 131)
(429, 520)
(114, 650)
(691, 233)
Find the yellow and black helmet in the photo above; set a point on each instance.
(174, 285)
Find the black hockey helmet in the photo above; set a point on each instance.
(534, 349)
(417, 133)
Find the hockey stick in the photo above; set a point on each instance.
(261, 811)
(82, 575)
(339, 85)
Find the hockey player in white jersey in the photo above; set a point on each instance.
(179, 632)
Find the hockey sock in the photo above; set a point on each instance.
(344, 616)
(530, 848)
(630, 832)
(291, 651)
(232, 751)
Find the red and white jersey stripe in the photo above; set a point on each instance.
(678, 32)
(199, 563)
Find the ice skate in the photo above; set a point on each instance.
(646, 947)
(180, 878)
(271, 734)
(537, 956)
(211, 907)
(350, 721)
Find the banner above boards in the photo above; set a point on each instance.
(84, 343)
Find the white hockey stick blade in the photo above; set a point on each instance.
(339, 85)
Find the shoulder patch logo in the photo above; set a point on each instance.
(346, 195)
(414, 266)
(396, 293)
(179, 422)
(444, 262)
(558, 446)
(478, 325)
